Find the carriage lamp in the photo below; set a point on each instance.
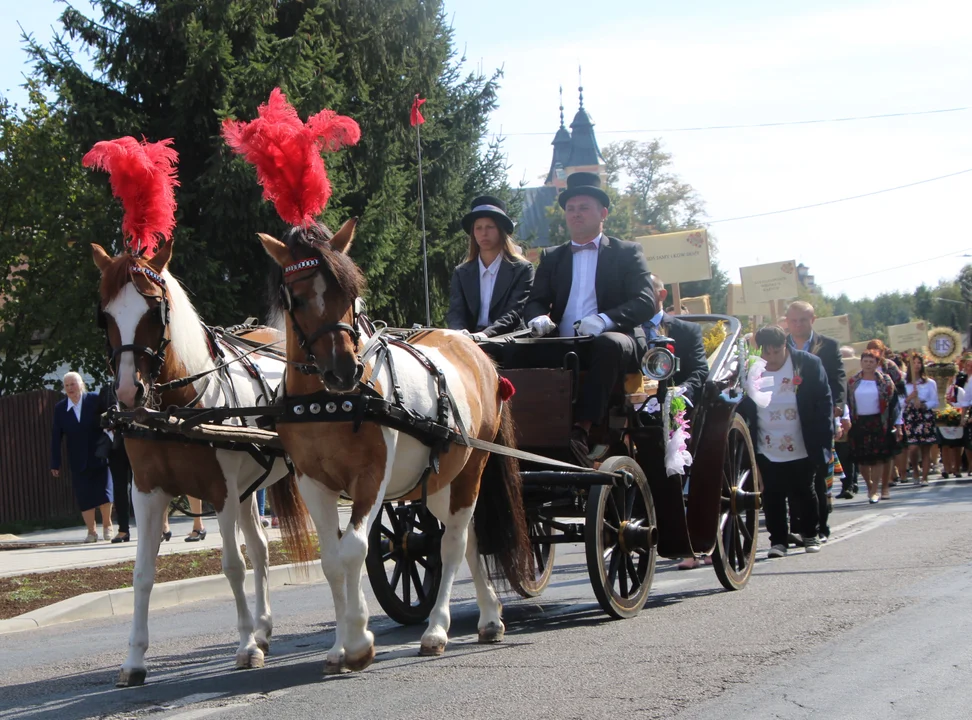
(659, 363)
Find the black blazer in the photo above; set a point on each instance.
(690, 350)
(82, 438)
(513, 282)
(622, 284)
(814, 406)
(828, 350)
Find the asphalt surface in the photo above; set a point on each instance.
(876, 625)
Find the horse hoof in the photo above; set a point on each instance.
(264, 646)
(252, 659)
(333, 668)
(356, 664)
(131, 678)
(492, 633)
(432, 650)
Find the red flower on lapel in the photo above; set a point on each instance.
(797, 379)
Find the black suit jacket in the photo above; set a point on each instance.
(622, 284)
(690, 350)
(814, 406)
(513, 282)
(828, 350)
(82, 437)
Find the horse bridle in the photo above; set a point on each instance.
(156, 357)
(287, 300)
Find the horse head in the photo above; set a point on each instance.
(317, 287)
(134, 312)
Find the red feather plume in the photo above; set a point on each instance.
(287, 154)
(143, 177)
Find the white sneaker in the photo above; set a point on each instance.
(777, 551)
(811, 544)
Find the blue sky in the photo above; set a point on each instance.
(674, 65)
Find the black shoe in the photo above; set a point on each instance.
(579, 447)
(167, 535)
(845, 495)
(120, 538)
(196, 535)
(794, 540)
(945, 476)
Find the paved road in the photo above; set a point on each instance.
(876, 624)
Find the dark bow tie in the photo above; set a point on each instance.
(580, 248)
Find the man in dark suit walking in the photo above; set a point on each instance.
(799, 321)
(689, 348)
(593, 285)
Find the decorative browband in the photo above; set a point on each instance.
(150, 274)
(302, 265)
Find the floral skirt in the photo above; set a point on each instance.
(919, 426)
(870, 441)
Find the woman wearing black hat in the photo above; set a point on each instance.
(490, 289)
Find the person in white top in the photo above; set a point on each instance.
(920, 401)
(875, 423)
(792, 436)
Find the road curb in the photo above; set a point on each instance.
(109, 603)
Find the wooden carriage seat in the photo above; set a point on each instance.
(542, 407)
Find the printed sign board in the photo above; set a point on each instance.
(859, 347)
(679, 256)
(908, 336)
(737, 304)
(700, 305)
(837, 327)
(773, 281)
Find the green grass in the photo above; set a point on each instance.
(28, 590)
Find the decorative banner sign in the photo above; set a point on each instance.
(679, 256)
(773, 281)
(738, 306)
(908, 336)
(859, 347)
(837, 327)
(697, 305)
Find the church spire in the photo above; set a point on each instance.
(580, 87)
(561, 152)
(584, 151)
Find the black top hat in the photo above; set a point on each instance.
(491, 207)
(584, 183)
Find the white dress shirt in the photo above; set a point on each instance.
(582, 301)
(868, 400)
(76, 406)
(487, 281)
(927, 393)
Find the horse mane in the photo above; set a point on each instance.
(185, 327)
(309, 242)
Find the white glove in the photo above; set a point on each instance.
(542, 325)
(591, 325)
(478, 337)
(465, 332)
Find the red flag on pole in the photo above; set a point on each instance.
(416, 115)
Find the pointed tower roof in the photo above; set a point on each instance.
(561, 149)
(584, 150)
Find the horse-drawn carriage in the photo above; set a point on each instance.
(626, 512)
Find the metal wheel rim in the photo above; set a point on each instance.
(736, 545)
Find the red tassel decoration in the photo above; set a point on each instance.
(143, 177)
(506, 389)
(287, 154)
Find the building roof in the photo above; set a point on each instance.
(534, 227)
(584, 150)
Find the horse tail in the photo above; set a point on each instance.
(500, 519)
(288, 506)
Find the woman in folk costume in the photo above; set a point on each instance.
(490, 289)
(875, 422)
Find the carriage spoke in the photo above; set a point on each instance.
(419, 589)
(406, 588)
(632, 571)
(631, 495)
(613, 566)
(423, 562)
(396, 575)
(613, 508)
(623, 579)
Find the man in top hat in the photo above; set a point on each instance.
(490, 288)
(593, 285)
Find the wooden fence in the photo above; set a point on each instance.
(28, 491)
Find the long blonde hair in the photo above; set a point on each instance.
(510, 249)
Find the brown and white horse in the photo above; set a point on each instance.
(156, 336)
(321, 285)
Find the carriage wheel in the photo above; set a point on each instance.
(543, 557)
(404, 565)
(620, 535)
(735, 550)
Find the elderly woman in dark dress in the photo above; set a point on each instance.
(77, 418)
(875, 423)
(490, 289)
